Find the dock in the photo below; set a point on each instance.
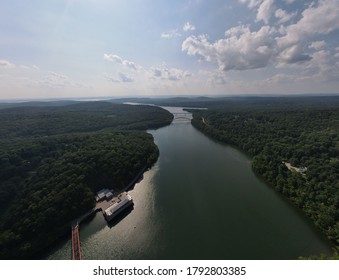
(101, 206)
(104, 200)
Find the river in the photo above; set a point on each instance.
(201, 200)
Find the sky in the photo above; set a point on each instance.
(96, 48)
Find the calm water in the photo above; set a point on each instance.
(200, 201)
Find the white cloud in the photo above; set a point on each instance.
(33, 67)
(113, 58)
(318, 45)
(240, 50)
(170, 34)
(9, 65)
(161, 72)
(130, 65)
(264, 8)
(265, 11)
(292, 55)
(117, 59)
(289, 46)
(321, 19)
(125, 78)
(110, 78)
(188, 27)
(283, 16)
(280, 79)
(55, 80)
(251, 3)
(122, 78)
(6, 64)
(326, 68)
(318, 19)
(216, 79)
(165, 73)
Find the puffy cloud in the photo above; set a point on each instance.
(165, 73)
(130, 65)
(240, 50)
(324, 66)
(318, 45)
(283, 16)
(243, 49)
(293, 54)
(265, 11)
(113, 58)
(117, 59)
(170, 34)
(125, 78)
(110, 78)
(318, 19)
(251, 3)
(6, 64)
(321, 19)
(188, 27)
(216, 79)
(264, 8)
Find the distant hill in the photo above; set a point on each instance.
(241, 102)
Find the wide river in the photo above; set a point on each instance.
(201, 200)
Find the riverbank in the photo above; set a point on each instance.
(268, 165)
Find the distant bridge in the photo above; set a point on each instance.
(182, 116)
(76, 246)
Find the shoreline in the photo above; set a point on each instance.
(334, 246)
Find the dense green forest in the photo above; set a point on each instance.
(79, 117)
(302, 138)
(53, 160)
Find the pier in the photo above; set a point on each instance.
(101, 206)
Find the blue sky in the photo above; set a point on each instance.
(89, 48)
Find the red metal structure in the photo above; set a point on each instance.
(76, 247)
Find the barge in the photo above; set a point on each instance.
(123, 201)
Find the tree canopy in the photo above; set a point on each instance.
(53, 160)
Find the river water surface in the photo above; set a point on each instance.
(201, 200)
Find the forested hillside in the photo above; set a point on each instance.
(81, 117)
(277, 138)
(53, 160)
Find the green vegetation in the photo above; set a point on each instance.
(243, 103)
(308, 138)
(79, 117)
(53, 160)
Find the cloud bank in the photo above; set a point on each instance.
(277, 45)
